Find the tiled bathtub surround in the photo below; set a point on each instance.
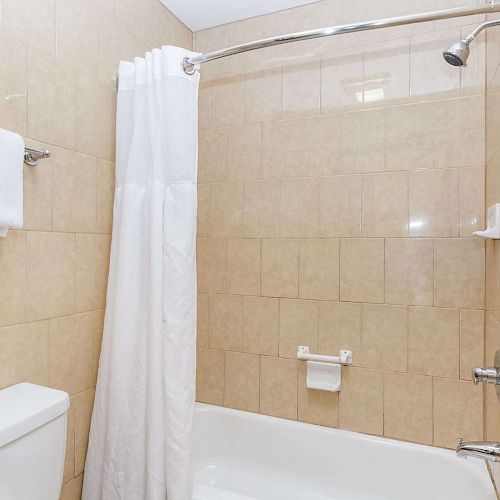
(492, 331)
(58, 59)
(340, 181)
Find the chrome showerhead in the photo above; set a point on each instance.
(457, 54)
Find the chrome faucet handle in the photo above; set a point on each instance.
(486, 375)
(489, 375)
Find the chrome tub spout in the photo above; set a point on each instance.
(479, 449)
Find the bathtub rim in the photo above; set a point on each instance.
(476, 467)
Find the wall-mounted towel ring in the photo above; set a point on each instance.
(32, 156)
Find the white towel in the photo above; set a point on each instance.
(11, 181)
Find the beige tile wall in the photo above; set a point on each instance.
(58, 58)
(492, 331)
(340, 181)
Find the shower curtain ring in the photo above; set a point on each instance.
(188, 68)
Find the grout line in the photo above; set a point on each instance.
(75, 273)
(383, 403)
(432, 410)
(27, 88)
(260, 381)
(407, 339)
(433, 272)
(383, 270)
(459, 344)
(260, 267)
(408, 211)
(358, 111)
(25, 281)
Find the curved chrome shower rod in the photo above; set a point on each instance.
(189, 63)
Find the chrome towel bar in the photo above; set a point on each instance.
(32, 156)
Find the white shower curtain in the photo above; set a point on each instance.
(140, 438)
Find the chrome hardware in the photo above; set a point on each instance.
(188, 68)
(489, 8)
(488, 24)
(189, 63)
(484, 450)
(486, 375)
(32, 156)
(458, 53)
(489, 375)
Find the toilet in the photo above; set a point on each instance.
(32, 442)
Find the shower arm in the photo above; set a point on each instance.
(189, 63)
(488, 24)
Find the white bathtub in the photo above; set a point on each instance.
(242, 456)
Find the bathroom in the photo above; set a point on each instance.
(304, 284)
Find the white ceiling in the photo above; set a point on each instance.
(201, 14)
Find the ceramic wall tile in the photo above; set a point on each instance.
(362, 270)
(408, 407)
(433, 343)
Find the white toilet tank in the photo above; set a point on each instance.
(32, 442)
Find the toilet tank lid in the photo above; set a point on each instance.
(25, 407)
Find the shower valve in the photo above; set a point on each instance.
(489, 375)
(486, 375)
